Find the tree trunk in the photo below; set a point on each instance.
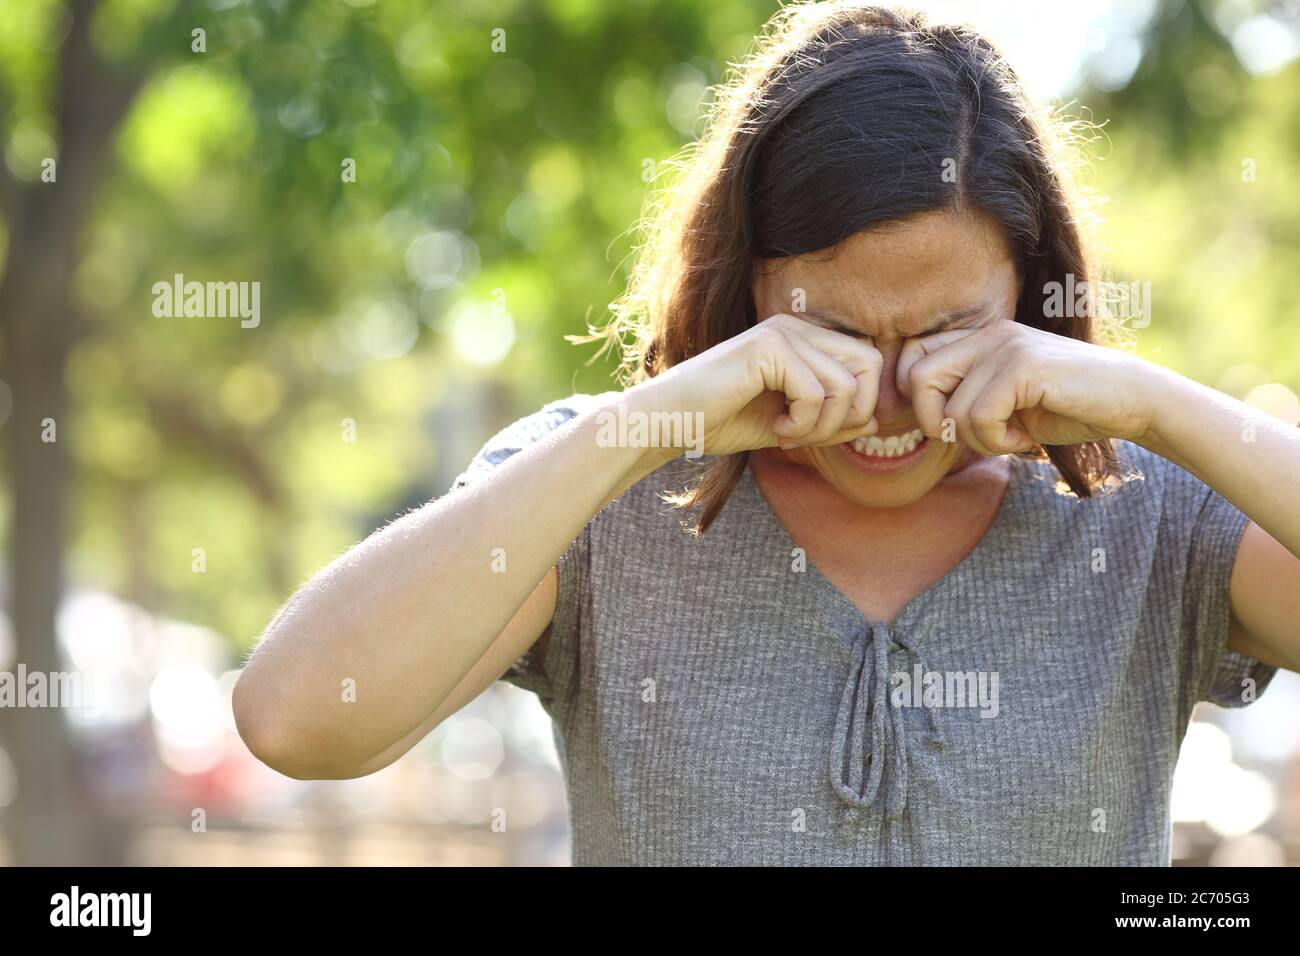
(51, 821)
(45, 825)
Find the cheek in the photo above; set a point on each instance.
(955, 457)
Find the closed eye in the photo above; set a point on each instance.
(955, 320)
(826, 322)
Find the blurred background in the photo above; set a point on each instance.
(431, 195)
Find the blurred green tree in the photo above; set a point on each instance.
(427, 197)
(430, 198)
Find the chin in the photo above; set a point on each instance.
(875, 481)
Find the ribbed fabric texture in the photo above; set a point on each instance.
(715, 704)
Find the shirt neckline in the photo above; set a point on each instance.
(994, 539)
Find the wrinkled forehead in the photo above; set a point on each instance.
(898, 280)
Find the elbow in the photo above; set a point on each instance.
(263, 732)
(274, 738)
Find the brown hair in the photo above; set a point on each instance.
(842, 119)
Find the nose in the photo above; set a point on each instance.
(891, 404)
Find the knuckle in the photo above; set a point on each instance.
(1017, 347)
(760, 342)
(920, 374)
(843, 383)
(770, 335)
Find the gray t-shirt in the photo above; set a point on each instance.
(717, 701)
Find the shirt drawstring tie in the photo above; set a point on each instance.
(870, 737)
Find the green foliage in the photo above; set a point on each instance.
(494, 195)
(1199, 172)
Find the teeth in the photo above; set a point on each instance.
(892, 447)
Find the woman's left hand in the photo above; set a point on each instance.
(1007, 387)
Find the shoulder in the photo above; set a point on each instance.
(1143, 481)
(1161, 474)
(639, 509)
(1157, 485)
(533, 428)
(523, 432)
(1150, 506)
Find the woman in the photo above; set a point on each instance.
(958, 574)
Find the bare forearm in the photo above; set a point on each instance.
(1248, 456)
(367, 650)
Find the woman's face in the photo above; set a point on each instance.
(933, 272)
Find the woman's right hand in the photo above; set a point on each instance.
(787, 381)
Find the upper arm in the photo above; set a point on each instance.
(524, 630)
(1265, 595)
